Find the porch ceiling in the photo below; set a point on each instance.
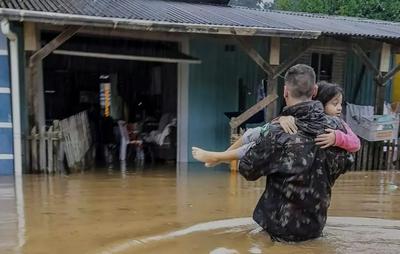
(122, 49)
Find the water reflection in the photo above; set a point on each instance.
(92, 211)
(12, 217)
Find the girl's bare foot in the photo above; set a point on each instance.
(203, 156)
(211, 164)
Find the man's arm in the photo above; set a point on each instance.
(338, 161)
(256, 162)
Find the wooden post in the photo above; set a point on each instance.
(291, 60)
(363, 56)
(34, 157)
(35, 87)
(379, 98)
(385, 58)
(50, 165)
(272, 108)
(259, 60)
(57, 143)
(274, 61)
(42, 152)
(234, 137)
(380, 84)
(36, 94)
(382, 74)
(275, 51)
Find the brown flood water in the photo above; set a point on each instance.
(187, 209)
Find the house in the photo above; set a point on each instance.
(196, 59)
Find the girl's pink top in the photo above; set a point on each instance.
(347, 141)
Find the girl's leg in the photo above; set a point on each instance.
(249, 136)
(214, 158)
(236, 151)
(238, 143)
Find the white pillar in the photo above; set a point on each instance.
(183, 106)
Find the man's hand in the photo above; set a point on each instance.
(288, 124)
(326, 140)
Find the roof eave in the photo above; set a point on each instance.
(147, 25)
(360, 36)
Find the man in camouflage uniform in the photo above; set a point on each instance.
(299, 173)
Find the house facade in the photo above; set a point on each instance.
(197, 61)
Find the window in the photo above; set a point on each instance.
(322, 65)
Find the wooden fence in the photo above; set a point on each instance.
(380, 155)
(69, 138)
(47, 159)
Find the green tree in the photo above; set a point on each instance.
(372, 9)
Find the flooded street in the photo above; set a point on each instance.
(177, 210)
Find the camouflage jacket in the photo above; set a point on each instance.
(299, 173)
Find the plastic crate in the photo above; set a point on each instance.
(372, 127)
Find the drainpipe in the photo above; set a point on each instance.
(16, 115)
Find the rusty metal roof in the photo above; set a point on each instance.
(194, 17)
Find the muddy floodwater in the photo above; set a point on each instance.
(183, 208)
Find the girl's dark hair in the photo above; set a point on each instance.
(327, 91)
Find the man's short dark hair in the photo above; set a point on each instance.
(301, 80)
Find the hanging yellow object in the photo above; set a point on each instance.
(396, 83)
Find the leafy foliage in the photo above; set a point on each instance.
(372, 9)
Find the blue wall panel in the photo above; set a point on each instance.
(5, 108)
(213, 90)
(3, 42)
(6, 144)
(6, 134)
(366, 93)
(4, 71)
(6, 167)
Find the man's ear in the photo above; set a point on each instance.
(315, 91)
(285, 92)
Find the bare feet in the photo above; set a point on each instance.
(204, 156)
(211, 164)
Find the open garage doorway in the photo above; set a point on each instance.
(128, 89)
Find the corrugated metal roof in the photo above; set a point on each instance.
(211, 16)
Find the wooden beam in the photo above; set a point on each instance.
(246, 45)
(53, 44)
(125, 57)
(390, 74)
(237, 121)
(360, 53)
(288, 63)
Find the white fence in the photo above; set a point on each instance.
(69, 138)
